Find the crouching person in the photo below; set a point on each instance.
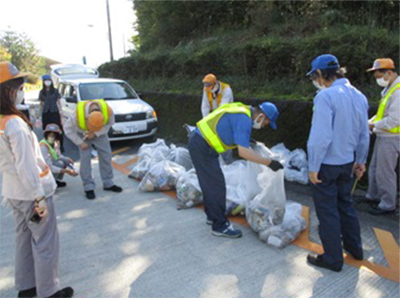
(58, 163)
(89, 126)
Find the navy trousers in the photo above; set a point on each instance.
(337, 218)
(211, 179)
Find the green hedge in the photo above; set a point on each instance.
(267, 65)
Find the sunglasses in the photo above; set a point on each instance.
(208, 84)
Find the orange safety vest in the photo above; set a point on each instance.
(210, 95)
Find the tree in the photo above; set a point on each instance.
(22, 52)
(4, 54)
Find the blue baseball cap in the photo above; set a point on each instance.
(46, 77)
(271, 111)
(326, 61)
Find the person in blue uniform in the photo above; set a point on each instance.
(227, 127)
(337, 149)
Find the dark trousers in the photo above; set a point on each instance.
(211, 179)
(337, 218)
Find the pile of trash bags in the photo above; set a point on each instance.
(252, 189)
(154, 153)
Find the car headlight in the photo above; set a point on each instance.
(151, 114)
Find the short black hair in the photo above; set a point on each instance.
(330, 74)
(57, 135)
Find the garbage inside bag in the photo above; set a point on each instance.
(161, 176)
(297, 167)
(283, 234)
(149, 155)
(180, 156)
(233, 209)
(141, 168)
(188, 190)
(294, 162)
(268, 207)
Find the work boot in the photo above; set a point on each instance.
(61, 183)
(379, 211)
(64, 293)
(317, 260)
(90, 195)
(113, 188)
(29, 293)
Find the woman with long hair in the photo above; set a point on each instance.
(28, 186)
(50, 105)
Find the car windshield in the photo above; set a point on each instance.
(107, 91)
(75, 70)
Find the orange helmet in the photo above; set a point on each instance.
(209, 81)
(95, 121)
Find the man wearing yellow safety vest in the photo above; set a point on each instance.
(215, 94)
(89, 126)
(386, 125)
(58, 163)
(228, 127)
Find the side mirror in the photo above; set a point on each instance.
(140, 94)
(71, 99)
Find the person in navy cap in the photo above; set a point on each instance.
(50, 106)
(227, 127)
(337, 149)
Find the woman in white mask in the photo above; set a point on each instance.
(58, 163)
(50, 105)
(28, 186)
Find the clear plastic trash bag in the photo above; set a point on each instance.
(283, 234)
(180, 156)
(188, 190)
(161, 176)
(141, 168)
(150, 149)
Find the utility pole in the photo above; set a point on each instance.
(109, 32)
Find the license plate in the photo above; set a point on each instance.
(131, 129)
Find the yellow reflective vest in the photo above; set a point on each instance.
(382, 108)
(80, 112)
(53, 152)
(208, 125)
(210, 95)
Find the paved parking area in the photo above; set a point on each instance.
(137, 244)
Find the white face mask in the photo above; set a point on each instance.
(257, 125)
(381, 82)
(47, 83)
(51, 140)
(20, 97)
(318, 86)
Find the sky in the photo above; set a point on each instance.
(67, 30)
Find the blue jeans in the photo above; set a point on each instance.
(337, 218)
(211, 179)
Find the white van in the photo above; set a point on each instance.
(134, 118)
(71, 71)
